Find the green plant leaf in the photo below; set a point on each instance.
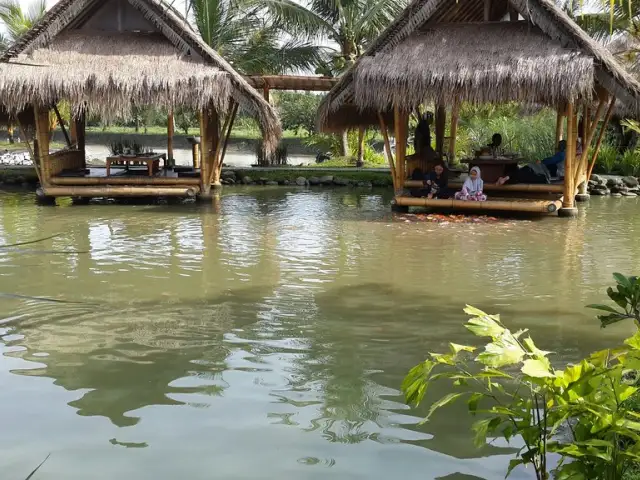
(513, 464)
(634, 341)
(447, 399)
(604, 308)
(455, 348)
(537, 368)
(622, 280)
(473, 402)
(528, 342)
(485, 326)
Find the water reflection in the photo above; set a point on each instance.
(276, 322)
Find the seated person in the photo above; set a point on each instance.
(472, 187)
(554, 161)
(436, 183)
(530, 173)
(493, 148)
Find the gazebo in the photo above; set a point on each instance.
(444, 52)
(110, 56)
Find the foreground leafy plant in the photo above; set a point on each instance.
(577, 412)
(626, 296)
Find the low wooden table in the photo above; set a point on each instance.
(492, 168)
(151, 161)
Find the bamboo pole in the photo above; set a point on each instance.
(453, 130)
(387, 147)
(559, 127)
(596, 150)
(121, 191)
(487, 10)
(132, 180)
(441, 120)
(523, 205)
(62, 127)
(590, 130)
(42, 139)
(517, 187)
(34, 159)
(221, 147)
(361, 132)
(265, 92)
(170, 128)
(401, 127)
(569, 190)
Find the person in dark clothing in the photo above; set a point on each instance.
(554, 161)
(436, 184)
(530, 173)
(422, 135)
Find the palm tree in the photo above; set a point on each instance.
(251, 42)
(17, 20)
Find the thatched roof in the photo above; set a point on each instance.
(438, 50)
(111, 71)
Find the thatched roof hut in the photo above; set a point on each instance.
(441, 50)
(108, 56)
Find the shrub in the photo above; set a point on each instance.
(607, 159)
(630, 163)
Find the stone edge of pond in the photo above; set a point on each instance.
(614, 185)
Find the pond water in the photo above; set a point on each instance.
(266, 336)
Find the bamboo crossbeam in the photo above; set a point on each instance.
(596, 149)
(142, 180)
(492, 187)
(520, 205)
(387, 147)
(120, 191)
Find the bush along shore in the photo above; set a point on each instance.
(613, 185)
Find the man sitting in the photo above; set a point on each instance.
(556, 161)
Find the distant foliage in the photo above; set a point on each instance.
(298, 111)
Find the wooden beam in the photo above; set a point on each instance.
(265, 92)
(170, 129)
(568, 200)
(401, 121)
(387, 147)
(441, 120)
(133, 180)
(121, 191)
(453, 130)
(603, 129)
(360, 157)
(42, 138)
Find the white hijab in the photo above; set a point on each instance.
(474, 185)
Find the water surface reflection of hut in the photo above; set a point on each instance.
(445, 52)
(111, 57)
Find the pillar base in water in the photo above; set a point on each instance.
(582, 197)
(568, 212)
(398, 208)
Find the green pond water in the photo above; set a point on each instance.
(267, 337)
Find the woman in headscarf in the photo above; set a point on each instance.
(472, 187)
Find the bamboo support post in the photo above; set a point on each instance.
(120, 191)
(401, 121)
(170, 129)
(569, 190)
(453, 130)
(210, 138)
(361, 134)
(42, 138)
(603, 129)
(62, 127)
(221, 147)
(441, 120)
(559, 126)
(590, 129)
(23, 134)
(265, 92)
(487, 10)
(387, 147)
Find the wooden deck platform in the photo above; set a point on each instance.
(494, 204)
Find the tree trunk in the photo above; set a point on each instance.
(345, 143)
(360, 160)
(10, 132)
